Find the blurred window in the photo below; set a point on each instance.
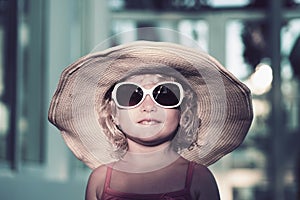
(8, 37)
(190, 31)
(290, 72)
(21, 83)
(4, 103)
(247, 56)
(197, 30)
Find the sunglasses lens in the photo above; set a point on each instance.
(129, 95)
(167, 94)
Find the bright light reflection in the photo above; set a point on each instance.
(4, 116)
(222, 3)
(261, 108)
(245, 177)
(260, 81)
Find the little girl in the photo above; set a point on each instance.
(148, 117)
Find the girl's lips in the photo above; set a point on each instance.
(149, 121)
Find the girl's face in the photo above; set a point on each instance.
(148, 123)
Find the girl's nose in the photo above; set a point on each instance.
(148, 105)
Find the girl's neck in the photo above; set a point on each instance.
(146, 159)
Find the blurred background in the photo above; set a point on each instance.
(257, 40)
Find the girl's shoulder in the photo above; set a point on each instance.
(202, 171)
(96, 182)
(204, 183)
(100, 170)
(98, 174)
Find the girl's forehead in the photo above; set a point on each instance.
(147, 79)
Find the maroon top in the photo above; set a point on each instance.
(184, 194)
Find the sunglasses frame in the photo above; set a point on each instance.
(147, 92)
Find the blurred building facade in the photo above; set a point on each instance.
(258, 41)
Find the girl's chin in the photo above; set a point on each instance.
(154, 140)
(144, 132)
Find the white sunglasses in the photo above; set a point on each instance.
(165, 94)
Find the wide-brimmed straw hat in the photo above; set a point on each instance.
(225, 107)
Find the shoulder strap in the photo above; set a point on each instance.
(107, 182)
(189, 175)
(108, 177)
